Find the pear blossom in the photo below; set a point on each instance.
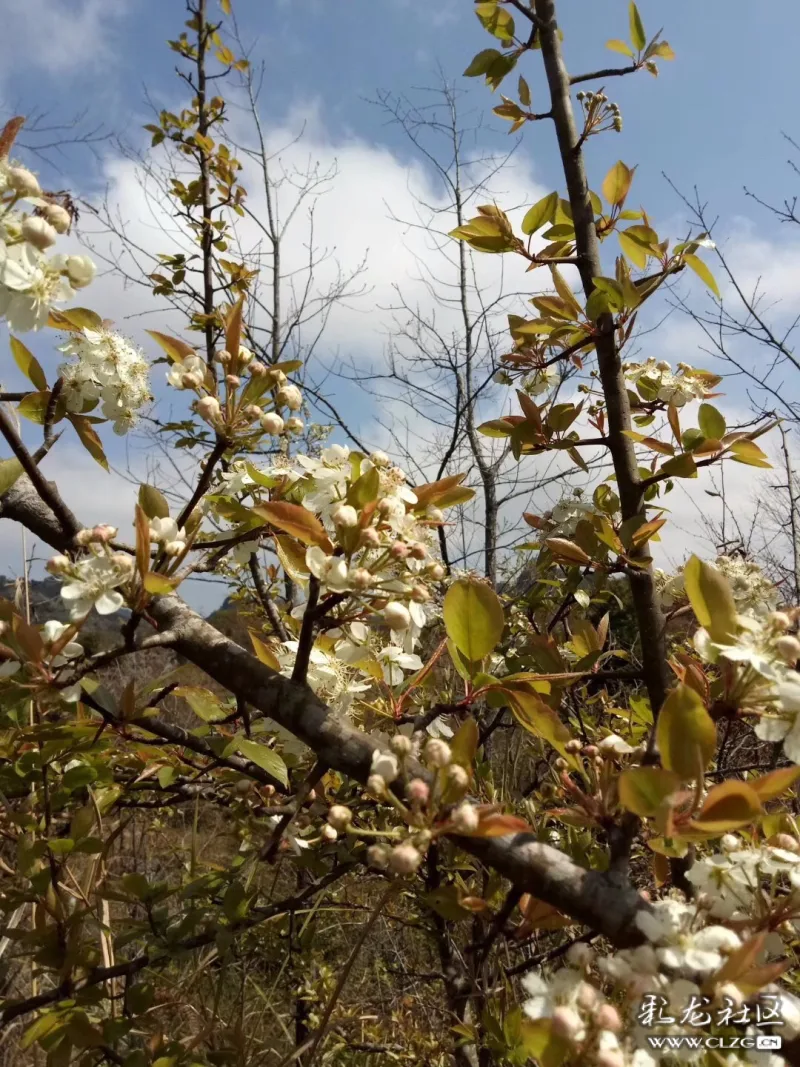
(395, 661)
(52, 631)
(30, 286)
(94, 583)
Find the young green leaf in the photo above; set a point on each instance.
(617, 184)
(543, 211)
(702, 272)
(473, 617)
(711, 422)
(638, 36)
(686, 735)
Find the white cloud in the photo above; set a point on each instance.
(61, 37)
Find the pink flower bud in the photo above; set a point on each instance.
(370, 538)
(271, 422)
(378, 857)
(399, 550)
(418, 791)
(437, 752)
(257, 369)
(405, 859)
(607, 1018)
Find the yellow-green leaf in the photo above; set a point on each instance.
(702, 272)
(543, 211)
(638, 37)
(265, 758)
(662, 50)
(473, 617)
(567, 550)
(176, 349)
(682, 466)
(686, 735)
(616, 45)
(540, 719)
(524, 92)
(75, 320)
(748, 452)
(643, 790)
(769, 786)
(202, 702)
(617, 184)
(10, 470)
(89, 439)
(482, 62)
(711, 598)
(465, 743)
(153, 502)
(295, 520)
(727, 807)
(711, 422)
(28, 364)
(158, 584)
(263, 652)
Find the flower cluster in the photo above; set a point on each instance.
(242, 403)
(758, 670)
(106, 369)
(655, 380)
(753, 592)
(384, 536)
(32, 282)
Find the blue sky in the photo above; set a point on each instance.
(713, 119)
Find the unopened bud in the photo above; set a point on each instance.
(38, 232)
(294, 425)
(437, 752)
(271, 422)
(788, 648)
(84, 537)
(784, 841)
(58, 217)
(289, 396)
(340, 817)
(275, 376)
(434, 515)
(345, 515)
(376, 785)
(465, 818)
(58, 564)
(401, 745)
(378, 857)
(573, 747)
(370, 538)
(566, 1023)
(419, 594)
(233, 381)
(104, 533)
(587, 996)
(223, 356)
(360, 578)
(607, 1018)
(418, 791)
(436, 571)
(399, 550)
(418, 550)
(252, 411)
(380, 459)
(328, 833)
(23, 181)
(397, 616)
(457, 776)
(405, 859)
(191, 381)
(257, 369)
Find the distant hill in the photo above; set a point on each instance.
(98, 632)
